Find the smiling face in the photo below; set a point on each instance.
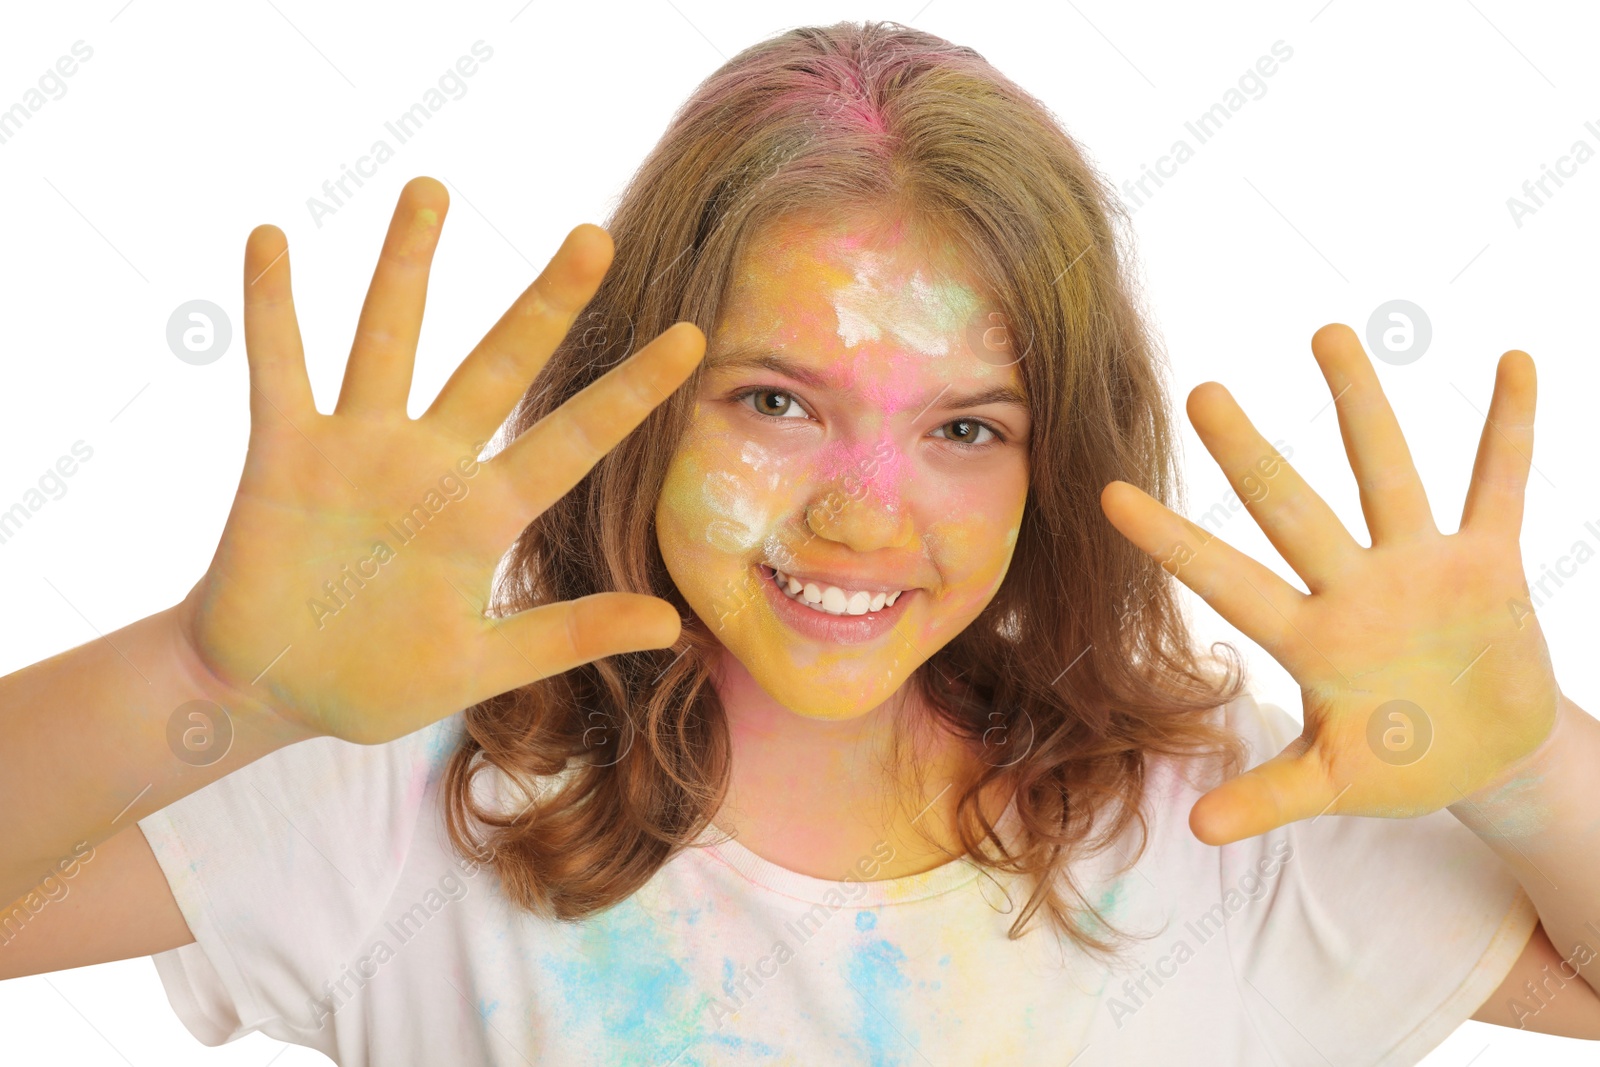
(847, 495)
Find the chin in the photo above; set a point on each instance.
(834, 703)
(814, 682)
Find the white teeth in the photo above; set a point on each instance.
(830, 598)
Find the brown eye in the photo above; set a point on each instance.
(774, 403)
(967, 432)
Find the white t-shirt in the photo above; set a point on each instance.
(329, 911)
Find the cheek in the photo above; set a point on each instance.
(721, 499)
(971, 541)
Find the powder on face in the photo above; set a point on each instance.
(921, 317)
(865, 463)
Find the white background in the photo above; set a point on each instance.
(1376, 166)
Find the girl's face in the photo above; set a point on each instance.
(848, 492)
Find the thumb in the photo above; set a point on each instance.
(1288, 787)
(552, 638)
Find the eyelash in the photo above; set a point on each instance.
(997, 437)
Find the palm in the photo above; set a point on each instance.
(1421, 679)
(1425, 685)
(348, 590)
(389, 646)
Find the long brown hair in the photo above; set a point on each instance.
(1083, 661)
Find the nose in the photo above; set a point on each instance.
(862, 513)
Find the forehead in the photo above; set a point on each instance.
(862, 299)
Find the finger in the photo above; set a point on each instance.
(279, 387)
(547, 640)
(1285, 789)
(377, 379)
(495, 374)
(1254, 599)
(556, 452)
(1392, 497)
(1505, 451)
(1298, 522)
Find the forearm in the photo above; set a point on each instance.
(89, 745)
(1542, 817)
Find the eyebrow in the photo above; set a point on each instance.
(746, 356)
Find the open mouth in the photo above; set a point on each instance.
(826, 615)
(830, 599)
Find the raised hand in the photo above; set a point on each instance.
(1420, 678)
(347, 594)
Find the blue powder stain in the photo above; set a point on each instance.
(866, 920)
(739, 1044)
(944, 961)
(486, 1010)
(441, 741)
(874, 972)
(1106, 905)
(619, 974)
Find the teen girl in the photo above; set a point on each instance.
(842, 712)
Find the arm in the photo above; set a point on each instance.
(1542, 817)
(86, 740)
(316, 617)
(1421, 690)
(1565, 1007)
(115, 905)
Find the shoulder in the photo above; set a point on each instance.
(1265, 728)
(1261, 729)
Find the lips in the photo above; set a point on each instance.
(829, 598)
(815, 623)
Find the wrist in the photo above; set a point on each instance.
(254, 724)
(1514, 803)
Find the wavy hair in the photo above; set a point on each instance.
(1083, 657)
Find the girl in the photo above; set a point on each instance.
(826, 718)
